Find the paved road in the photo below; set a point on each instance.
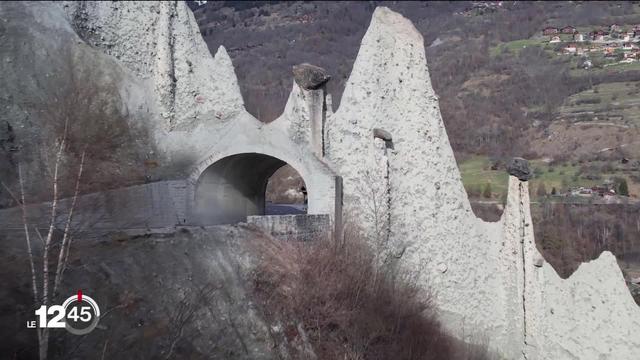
(285, 209)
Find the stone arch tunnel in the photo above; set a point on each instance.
(234, 187)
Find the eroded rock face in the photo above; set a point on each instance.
(161, 43)
(310, 77)
(519, 168)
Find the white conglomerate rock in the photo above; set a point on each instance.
(431, 222)
(160, 41)
(488, 279)
(590, 315)
(390, 89)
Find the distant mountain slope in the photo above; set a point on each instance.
(495, 99)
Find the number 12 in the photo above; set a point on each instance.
(56, 322)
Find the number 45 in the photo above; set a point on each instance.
(85, 314)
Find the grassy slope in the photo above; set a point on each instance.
(476, 173)
(515, 46)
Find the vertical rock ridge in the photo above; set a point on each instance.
(161, 42)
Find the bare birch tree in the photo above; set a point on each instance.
(46, 295)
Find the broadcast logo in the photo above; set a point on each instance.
(79, 314)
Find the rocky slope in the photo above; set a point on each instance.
(165, 295)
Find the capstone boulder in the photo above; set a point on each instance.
(310, 77)
(519, 168)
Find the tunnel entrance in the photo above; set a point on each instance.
(239, 185)
(286, 193)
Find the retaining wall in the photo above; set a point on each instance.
(152, 205)
(294, 227)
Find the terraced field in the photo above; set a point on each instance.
(616, 103)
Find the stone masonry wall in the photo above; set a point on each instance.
(294, 227)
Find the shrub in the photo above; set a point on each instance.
(542, 190)
(537, 172)
(487, 191)
(349, 303)
(623, 187)
(474, 191)
(606, 168)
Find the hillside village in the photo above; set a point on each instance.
(598, 47)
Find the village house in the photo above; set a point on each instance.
(603, 191)
(550, 30)
(597, 37)
(578, 37)
(609, 52)
(627, 46)
(570, 49)
(580, 191)
(626, 37)
(568, 30)
(554, 39)
(614, 28)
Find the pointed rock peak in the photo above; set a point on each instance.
(223, 71)
(391, 61)
(385, 19)
(222, 57)
(294, 106)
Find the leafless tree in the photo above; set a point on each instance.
(42, 292)
(375, 208)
